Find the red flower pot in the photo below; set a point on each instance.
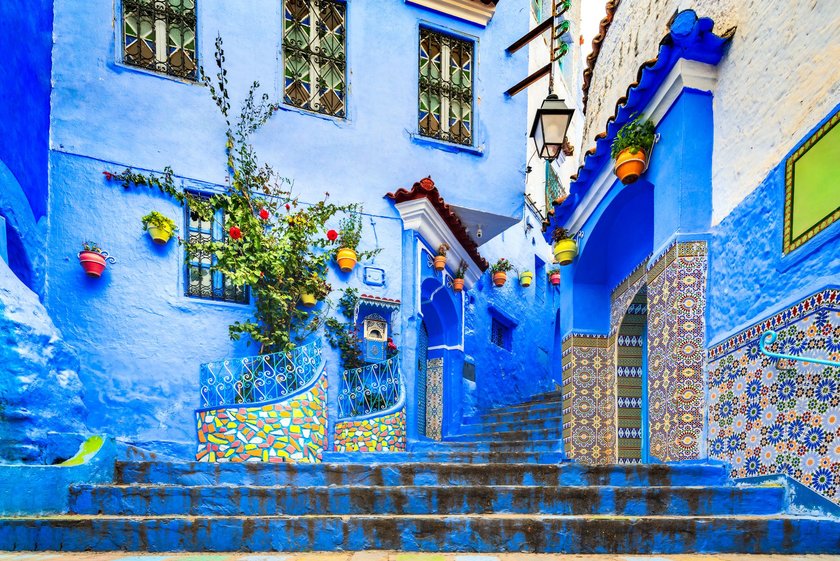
(92, 262)
(554, 278)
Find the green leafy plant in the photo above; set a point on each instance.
(461, 270)
(560, 234)
(344, 335)
(554, 271)
(157, 220)
(350, 232)
(501, 266)
(636, 135)
(274, 245)
(88, 245)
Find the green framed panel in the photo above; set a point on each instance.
(812, 186)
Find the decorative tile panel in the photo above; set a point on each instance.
(434, 398)
(380, 434)
(293, 430)
(630, 344)
(772, 416)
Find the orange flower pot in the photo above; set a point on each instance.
(440, 262)
(499, 278)
(629, 167)
(92, 262)
(346, 259)
(458, 285)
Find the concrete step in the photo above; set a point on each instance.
(157, 500)
(489, 445)
(415, 474)
(478, 533)
(555, 433)
(477, 425)
(520, 413)
(459, 457)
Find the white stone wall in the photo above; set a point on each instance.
(779, 79)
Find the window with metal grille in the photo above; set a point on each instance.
(446, 87)
(314, 56)
(553, 190)
(201, 281)
(500, 334)
(159, 35)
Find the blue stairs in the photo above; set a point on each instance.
(495, 487)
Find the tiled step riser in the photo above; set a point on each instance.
(495, 446)
(618, 535)
(447, 457)
(520, 413)
(541, 424)
(254, 501)
(312, 475)
(516, 435)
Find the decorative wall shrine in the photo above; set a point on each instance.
(777, 416)
(291, 430)
(379, 434)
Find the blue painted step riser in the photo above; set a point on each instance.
(446, 457)
(477, 427)
(417, 474)
(619, 535)
(248, 501)
(522, 413)
(501, 436)
(497, 446)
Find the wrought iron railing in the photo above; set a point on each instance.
(372, 388)
(259, 378)
(553, 190)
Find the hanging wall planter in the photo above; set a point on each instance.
(499, 278)
(440, 258)
(346, 259)
(160, 227)
(526, 278)
(554, 277)
(631, 149)
(308, 299)
(458, 285)
(499, 270)
(458, 279)
(93, 260)
(565, 247)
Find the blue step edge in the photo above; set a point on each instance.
(432, 456)
(799, 499)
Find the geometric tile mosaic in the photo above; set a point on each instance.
(779, 416)
(434, 398)
(630, 345)
(380, 434)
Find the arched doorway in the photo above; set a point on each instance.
(632, 429)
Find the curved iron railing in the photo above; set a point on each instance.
(769, 337)
(254, 379)
(372, 388)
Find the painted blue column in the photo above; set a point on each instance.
(409, 326)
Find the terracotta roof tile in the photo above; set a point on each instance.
(597, 42)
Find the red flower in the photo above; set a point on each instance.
(288, 206)
(235, 232)
(332, 235)
(108, 175)
(263, 214)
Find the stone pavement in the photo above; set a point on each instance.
(396, 556)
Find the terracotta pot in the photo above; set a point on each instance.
(92, 262)
(308, 300)
(628, 166)
(346, 259)
(554, 278)
(160, 234)
(440, 262)
(526, 278)
(499, 278)
(458, 285)
(565, 251)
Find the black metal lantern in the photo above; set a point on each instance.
(550, 126)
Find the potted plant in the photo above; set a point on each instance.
(554, 276)
(526, 278)
(565, 247)
(349, 235)
(458, 278)
(440, 258)
(499, 270)
(631, 148)
(93, 259)
(160, 227)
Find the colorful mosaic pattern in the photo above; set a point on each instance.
(630, 345)
(380, 434)
(293, 430)
(434, 398)
(676, 341)
(770, 416)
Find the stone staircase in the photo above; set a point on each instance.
(498, 486)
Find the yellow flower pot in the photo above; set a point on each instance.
(160, 234)
(308, 300)
(565, 251)
(346, 259)
(526, 278)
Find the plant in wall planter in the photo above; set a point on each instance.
(554, 276)
(499, 269)
(631, 149)
(565, 247)
(440, 258)
(458, 278)
(347, 238)
(160, 227)
(93, 259)
(526, 278)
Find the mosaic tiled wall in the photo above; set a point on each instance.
(676, 327)
(293, 430)
(434, 398)
(629, 362)
(380, 434)
(588, 399)
(771, 416)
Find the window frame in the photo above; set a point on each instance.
(119, 48)
(506, 332)
(475, 147)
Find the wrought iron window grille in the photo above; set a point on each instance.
(314, 56)
(159, 35)
(553, 189)
(445, 104)
(200, 280)
(500, 334)
(372, 388)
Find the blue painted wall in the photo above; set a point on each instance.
(26, 42)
